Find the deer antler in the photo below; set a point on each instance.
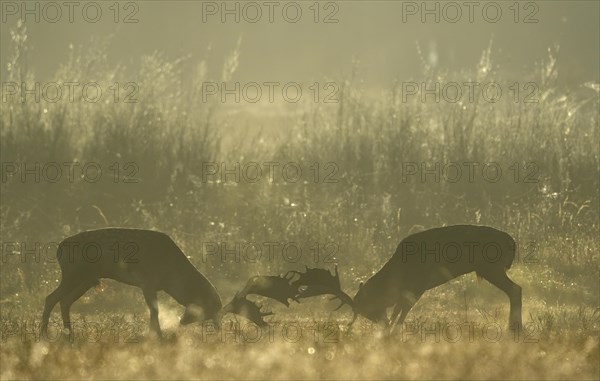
(274, 287)
(315, 281)
(239, 305)
(312, 282)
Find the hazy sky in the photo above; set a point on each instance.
(372, 31)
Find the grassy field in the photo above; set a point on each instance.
(354, 203)
(561, 342)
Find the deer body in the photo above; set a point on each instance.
(432, 257)
(142, 258)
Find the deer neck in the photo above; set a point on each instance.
(387, 282)
(187, 288)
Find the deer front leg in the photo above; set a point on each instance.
(515, 318)
(394, 317)
(405, 304)
(513, 291)
(395, 313)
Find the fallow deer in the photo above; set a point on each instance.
(429, 258)
(147, 259)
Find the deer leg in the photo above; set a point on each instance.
(406, 307)
(68, 300)
(395, 313)
(513, 290)
(392, 322)
(51, 300)
(405, 304)
(152, 302)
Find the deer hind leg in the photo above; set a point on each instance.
(513, 290)
(152, 302)
(54, 297)
(68, 300)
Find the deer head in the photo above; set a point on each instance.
(366, 303)
(239, 305)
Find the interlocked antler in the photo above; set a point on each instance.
(239, 305)
(312, 282)
(315, 281)
(274, 287)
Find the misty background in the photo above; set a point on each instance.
(372, 32)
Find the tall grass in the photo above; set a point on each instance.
(169, 133)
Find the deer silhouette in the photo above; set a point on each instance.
(147, 259)
(429, 258)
